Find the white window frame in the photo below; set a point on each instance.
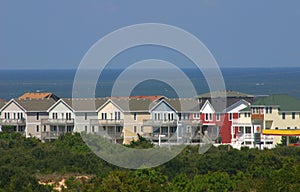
(218, 116)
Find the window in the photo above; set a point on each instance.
(155, 116)
(54, 115)
(118, 129)
(255, 110)
(103, 116)
(134, 129)
(276, 127)
(269, 110)
(288, 128)
(93, 129)
(172, 116)
(37, 128)
(196, 115)
(117, 115)
(283, 115)
(37, 116)
(68, 116)
(293, 115)
(206, 116)
(85, 128)
(248, 129)
(142, 129)
(218, 117)
(14, 115)
(134, 116)
(230, 116)
(45, 128)
(62, 116)
(85, 116)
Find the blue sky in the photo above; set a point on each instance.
(56, 34)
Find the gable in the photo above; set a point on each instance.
(163, 106)
(109, 108)
(60, 107)
(12, 106)
(207, 108)
(237, 107)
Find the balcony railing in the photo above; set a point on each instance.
(159, 123)
(190, 122)
(107, 122)
(249, 136)
(12, 122)
(58, 121)
(241, 122)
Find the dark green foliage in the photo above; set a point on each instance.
(141, 143)
(24, 161)
(292, 139)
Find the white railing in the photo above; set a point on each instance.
(58, 121)
(12, 121)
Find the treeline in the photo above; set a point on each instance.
(25, 162)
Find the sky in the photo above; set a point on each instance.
(56, 34)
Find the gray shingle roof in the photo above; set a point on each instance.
(36, 105)
(184, 104)
(133, 104)
(85, 104)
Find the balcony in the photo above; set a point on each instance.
(190, 122)
(160, 123)
(12, 121)
(107, 122)
(57, 121)
(240, 122)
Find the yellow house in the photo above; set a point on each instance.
(122, 118)
(277, 115)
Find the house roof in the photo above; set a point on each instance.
(238, 106)
(35, 105)
(227, 93)
(184, 104)
(133, 103)
(85, 104)
(221, 104)
(283, 101)
(38, 95)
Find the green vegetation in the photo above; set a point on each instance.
(25, 162)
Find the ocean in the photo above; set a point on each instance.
(257, 81)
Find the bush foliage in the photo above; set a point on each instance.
(24, 162)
